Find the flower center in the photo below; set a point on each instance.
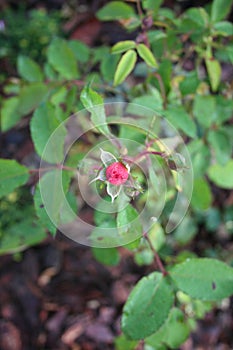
(117, 173)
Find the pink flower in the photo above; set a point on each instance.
(117, 173)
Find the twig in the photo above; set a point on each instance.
(142, 154)
(156, 256)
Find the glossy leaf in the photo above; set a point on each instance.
(125, 66)
(115, 10)
(206, 279)
(147, 56)
(12, 175)
(147, 307)
(222, 175)
(29, 69)
(62, 59)
(43, 124)
(123, 46)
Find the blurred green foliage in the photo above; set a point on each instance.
(27, 32)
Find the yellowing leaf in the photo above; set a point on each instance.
(125, 66)
(147, 56)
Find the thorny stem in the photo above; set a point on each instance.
(156, 256)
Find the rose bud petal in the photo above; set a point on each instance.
(117, 173)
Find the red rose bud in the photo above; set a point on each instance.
(117, 173)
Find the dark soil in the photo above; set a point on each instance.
(57, 297)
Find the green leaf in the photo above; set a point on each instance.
(80, 50)
(173, 333)
(43, 125)
(154, 102)
(220, 9)
(220, 142)
(115, 10)
(128, 221)
(222, 175)
(59, 95)
(147, 56)
(21, 235)
(189, 84)
(147, 307)
(42, 213)
(180, 119)
(9, 114)
(224, 28)
(204, 109)
(50, 72)
(108, 66)
(30, 97)
(224, 107)
(94, 103)
(186, 230)
(53, 187)
(200, 155)
(214, 72)
(29, 69)
(202, 195)
(199, 16)
(125, 66)
(12, 175)
(123, 46)
(62, 59)
(106, 256)
(165, 71)
(206, 279)
(68, 213)
(157, 236)
(123, 343)
(144, 257)
(152, 5)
